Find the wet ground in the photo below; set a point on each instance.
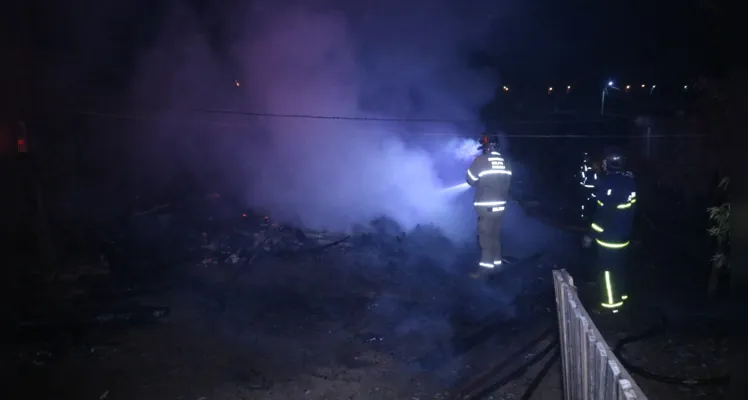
(370, 318)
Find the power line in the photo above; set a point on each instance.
(153, 118)
(333, 117)
(589, 136)
(401, 119)
(349, 118)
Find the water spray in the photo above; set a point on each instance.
(459, 188)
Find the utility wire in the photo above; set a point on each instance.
(572, 136)
(348, 118)
(154, 118)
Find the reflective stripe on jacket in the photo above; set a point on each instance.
(490, 177)
(614, 217)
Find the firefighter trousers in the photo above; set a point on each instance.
(611, 264)
(588, 203)
(489, 227)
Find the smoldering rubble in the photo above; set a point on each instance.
(252, 280)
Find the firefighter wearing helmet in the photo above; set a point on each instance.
(611, 228)
(490, 177)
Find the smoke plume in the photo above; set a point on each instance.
(333, 174)
(388, 61)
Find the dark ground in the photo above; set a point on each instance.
(374, 317)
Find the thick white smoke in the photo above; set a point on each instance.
(333, 174)
(463, 149)
(393, 60)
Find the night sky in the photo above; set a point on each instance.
(536, 42)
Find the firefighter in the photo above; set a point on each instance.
(611, 228)
(587, 181)
(490, 177)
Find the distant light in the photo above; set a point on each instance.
(610, 83)
(237, 83)
(506, 89)
(628, 87)
(654, 86)
(643, 85)
(685, 87)
(550, 89)
(568, 87)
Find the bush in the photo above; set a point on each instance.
(720, 217)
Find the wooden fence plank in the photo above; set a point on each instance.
(561, 308)
(612, 376)
(577, 334)
(593, 365)
(583, 360)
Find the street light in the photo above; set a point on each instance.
(611, 85)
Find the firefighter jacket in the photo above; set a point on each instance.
(615, 194)
(587, 176)
(490, 177)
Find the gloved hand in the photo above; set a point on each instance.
(586, 241)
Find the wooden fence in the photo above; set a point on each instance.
(590, 369)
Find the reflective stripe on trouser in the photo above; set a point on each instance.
(489, 224)
(611, 262)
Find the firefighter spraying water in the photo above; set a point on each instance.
(490, 177)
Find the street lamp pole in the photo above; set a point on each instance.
(610, 85)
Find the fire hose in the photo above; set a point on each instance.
(481, 387)
(478, 390)
(519, 371)
(660, 328)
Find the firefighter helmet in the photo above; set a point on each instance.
(614, 160)
(486, 144)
